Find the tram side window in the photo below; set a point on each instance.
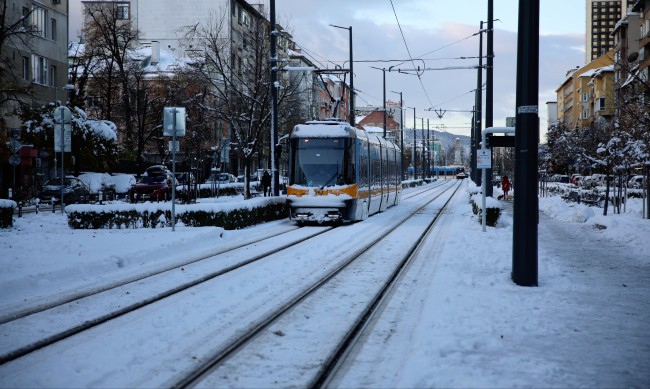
(375, 157)
(363, 165)
(352, 169)
(391, 156)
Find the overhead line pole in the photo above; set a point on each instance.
(415, 148)
(351, 115)
(275, 183)
(476, 176)
(489, 86)
(526, 207)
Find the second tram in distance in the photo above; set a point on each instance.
(340, 173)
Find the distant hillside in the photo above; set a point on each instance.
(446, 138)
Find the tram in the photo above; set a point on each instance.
(339, 173)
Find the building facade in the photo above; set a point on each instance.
(34, 73)
(573, 99)
(602, 17)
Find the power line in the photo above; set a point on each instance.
(409, 52)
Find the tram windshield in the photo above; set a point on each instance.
(319, 162)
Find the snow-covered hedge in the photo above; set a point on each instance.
(7, 208)
(492, 209)
(230, 215)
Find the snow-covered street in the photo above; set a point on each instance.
(457, 321)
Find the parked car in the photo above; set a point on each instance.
(74, 191)
(154, 185)
(252, 178)
(185, 178)
(99, 183)
(221, 178)
(561, 178)
(576, 179)
(635, 182)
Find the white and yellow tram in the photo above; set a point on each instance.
(340, 173)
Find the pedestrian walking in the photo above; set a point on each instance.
(266, 183)
(505, 186)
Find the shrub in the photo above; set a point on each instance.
(7, 208)
(492, 209)
(153, 215)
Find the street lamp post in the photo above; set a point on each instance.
(352, 119)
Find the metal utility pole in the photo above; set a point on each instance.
(424, 156)
(526, 208)
(415, 148)
(401, 135)
(383, 71)
(428, 151)
(352, 118)
(479, 104)
(275, 182)
(489, 86)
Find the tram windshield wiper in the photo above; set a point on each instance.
(330, 180)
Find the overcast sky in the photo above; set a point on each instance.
(441, 32)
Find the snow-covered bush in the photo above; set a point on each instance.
(7, 208)
(230, 216)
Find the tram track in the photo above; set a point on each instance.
(59, 339)
(233, 362)
(121, 297)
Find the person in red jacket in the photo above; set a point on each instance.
(505, 186)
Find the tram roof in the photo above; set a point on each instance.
(324, 129)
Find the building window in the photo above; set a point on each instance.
(122, 11)
(39, 21)
(25, 68)
(601, 104)
(53, 76)
(25, 17)
(39, 67)
(53, 30)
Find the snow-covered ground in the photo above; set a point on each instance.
(460, 322)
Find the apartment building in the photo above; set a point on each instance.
(641, 60)
(39, 56)
(574, 99)
(602, 17)
(34, 57)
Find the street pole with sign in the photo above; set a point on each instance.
(174, 125)
(62, 139)
(15, 158)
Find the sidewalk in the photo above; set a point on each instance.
(605, 295)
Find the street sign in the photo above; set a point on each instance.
(14, 160)
(67, 138)
(174, 146)
(14, 145)
(168, 121)
(62, 111)
(484, 159)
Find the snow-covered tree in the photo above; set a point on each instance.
(238, 83)
(94, 142)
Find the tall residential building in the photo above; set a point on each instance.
(602, 16)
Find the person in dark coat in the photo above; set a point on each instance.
(266, 183)
(505, 186)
